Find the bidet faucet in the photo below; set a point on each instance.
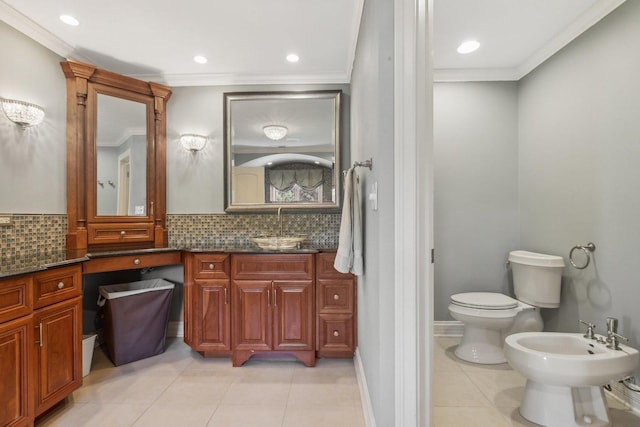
(590, 328)
(612, 334)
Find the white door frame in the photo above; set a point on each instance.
(413, 175)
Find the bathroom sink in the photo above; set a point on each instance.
(279, 242)
(568, 359)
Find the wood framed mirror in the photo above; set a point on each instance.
(282, 150)
(116, 159)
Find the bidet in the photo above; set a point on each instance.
(565, 372)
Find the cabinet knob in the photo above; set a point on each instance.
(336, 333)
(212, 266)
(60, 285)
(336, 297)
(123, 233)
(136, 261)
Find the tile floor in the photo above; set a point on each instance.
(471, 395)
(180, 388)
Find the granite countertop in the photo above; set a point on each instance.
(42, 260)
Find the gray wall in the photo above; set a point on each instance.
(577, 153)
(476, 187)
(372, 136)
(32, 161)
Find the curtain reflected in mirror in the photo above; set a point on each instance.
(121, 160)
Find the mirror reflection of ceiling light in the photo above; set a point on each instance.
(22, 113)
(292, 57)
(193, 142)
(275, 132)
(468, 47)
(200, 59)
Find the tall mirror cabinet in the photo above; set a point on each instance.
(116, 160)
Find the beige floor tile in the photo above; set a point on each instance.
(456, 389)
(343, 416)
(164, 414)
(326, 371)
(502, 388)
(274, 395)
(323, 395)
(467, 417)
(94, 415)
(514, 419)
(196, 389)
(130, 388)
(246, 416)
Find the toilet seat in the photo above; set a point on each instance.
(484, 301)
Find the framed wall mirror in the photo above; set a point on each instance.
(116, 159)
(282, 150)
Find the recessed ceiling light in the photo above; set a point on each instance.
(468, 46)
(69, 20)
(292, 57)
(200, 59)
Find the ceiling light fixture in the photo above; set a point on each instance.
(468, 47)
(69, 20)
(275, 132)
(193, 142)
(292, 57)
(200, 59)
(22, 113)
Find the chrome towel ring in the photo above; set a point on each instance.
(588, 248)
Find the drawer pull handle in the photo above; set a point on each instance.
(123, 233)
(60, 285)
(136, 261)
(39, 334)
(226, 299)
(336, 297)
(336, 333)
(212, 266)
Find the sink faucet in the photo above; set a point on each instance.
(612, 334)
(280, 219)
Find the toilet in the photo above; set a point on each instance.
(489, 317)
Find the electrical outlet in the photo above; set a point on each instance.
(5, 220)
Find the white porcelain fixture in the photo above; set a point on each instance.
(278, 242)
(489, 317)
(564, 374)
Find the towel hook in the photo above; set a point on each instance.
(588, 248)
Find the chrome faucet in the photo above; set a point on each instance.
(280, 219)
(612, 334)
(590, 328)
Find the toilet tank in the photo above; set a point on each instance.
(536, 278)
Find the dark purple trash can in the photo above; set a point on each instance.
(136, 315)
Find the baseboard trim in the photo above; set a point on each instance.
(448, 328)
(175, 329)
(367, 408)
(627, 397)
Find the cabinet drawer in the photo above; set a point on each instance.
(120, 233)
(16, 298)
(129, 262)
(57, 285)
(336, 333)
(324, 267)
(272, 266)
(211, 266)
(335, 296)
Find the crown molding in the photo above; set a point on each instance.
(178, 80)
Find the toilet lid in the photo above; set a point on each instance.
(484, 300)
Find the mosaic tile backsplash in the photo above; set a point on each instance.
(235, 230)
(39, 234)
(33, 234)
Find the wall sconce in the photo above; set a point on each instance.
(22, 113)
(275, 132)
(193, 142)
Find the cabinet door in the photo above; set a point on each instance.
(16, 407)
(251, 314)
(58, 350)
(212, 319)
(293, 315)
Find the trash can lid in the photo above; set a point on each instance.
(132, 288)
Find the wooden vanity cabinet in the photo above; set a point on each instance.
(208, 303)
(272, 305)
(336, 309)
(40, 342)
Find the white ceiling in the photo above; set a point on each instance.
(246, 41)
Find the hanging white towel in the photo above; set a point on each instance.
(349, 255)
